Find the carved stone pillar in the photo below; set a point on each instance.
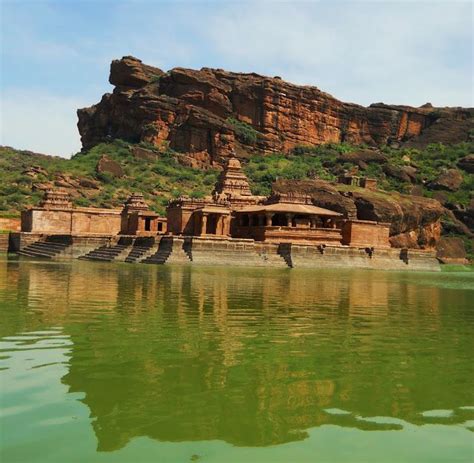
(226, 225)
(268, 219)
(203, 224)
(219, 225)
(289, 219)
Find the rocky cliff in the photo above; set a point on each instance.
(210, 112)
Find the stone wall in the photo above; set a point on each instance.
(241, 252)
(4, 239)
(72, 221)
(10, 224)
(365, 233)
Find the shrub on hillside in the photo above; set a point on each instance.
(243, 131)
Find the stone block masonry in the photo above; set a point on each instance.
(241, 252)
(216, 251)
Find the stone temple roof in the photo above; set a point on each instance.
(290, 208)
(136, 202)
(56, 199)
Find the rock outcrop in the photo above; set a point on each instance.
(415, 221)
(451, 250)
(467, 163)
(450, 180)
(109, 166)
(195, 112)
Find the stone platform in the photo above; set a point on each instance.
(206, 250)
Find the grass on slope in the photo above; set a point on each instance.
(321, 161)
(159, 180)
(164, 178)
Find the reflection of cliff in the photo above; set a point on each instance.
(249, 356)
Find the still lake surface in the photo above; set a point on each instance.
(141, 363)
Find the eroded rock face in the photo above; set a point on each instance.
(190, 111)
(131, 72)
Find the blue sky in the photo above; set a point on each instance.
(55, 55)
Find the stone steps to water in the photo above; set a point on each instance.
(284, 251)
(162, 254)
(39, 250)
(106, 253)
(43, 249)
(31, 253)
(139, 253)
(160, 258)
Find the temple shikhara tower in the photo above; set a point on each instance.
(232, 186)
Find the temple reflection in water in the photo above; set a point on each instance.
(250, 357)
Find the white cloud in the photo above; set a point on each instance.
(404, 52)
(40, 122)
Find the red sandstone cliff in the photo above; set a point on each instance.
(189, 111)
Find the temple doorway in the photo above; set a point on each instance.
(211, 226)
(147, 224)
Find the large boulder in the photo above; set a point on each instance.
(450, 180)
(144, 154)
(366, 156)
(403, 173)
(467, 163)
(451, 250)
(131, 72)
(415, 221)
(322, 193)
(109, 166)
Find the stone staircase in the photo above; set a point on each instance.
(43, 249)
(284, 251)
(107, 253)
(140, 252)
(162, 254)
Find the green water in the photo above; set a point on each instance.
(131, 363)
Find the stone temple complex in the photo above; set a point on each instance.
(230, 227)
